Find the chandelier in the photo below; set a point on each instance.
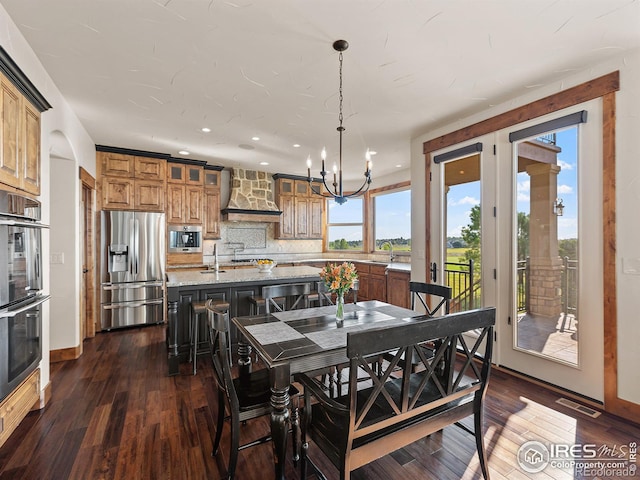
(338, 192)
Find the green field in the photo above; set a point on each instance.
(456, 255)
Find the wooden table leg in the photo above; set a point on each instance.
(280, 401)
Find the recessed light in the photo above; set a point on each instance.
(372, 152)
(264, 163)
(205, 129)
(296, 145)
(255, 139)
(399, 165)
(183, 152)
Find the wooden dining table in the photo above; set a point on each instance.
(305, 340)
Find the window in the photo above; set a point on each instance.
(392, 221)
(345, 225)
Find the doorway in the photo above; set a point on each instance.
(88, 261)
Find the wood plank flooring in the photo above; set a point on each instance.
(115, 414)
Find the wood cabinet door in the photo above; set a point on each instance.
(117, 164)
(175, 173)
(117, 193)
(31, 149)
(377, 288)
(194, 175)
(302, 217)
(302, 188)
(398, 289)
(285, 228)
(149, 195)
(212, 179)
(175, 203)
(315, 217)
(193, 210)
(211, 224)
(150, 168)
(10, 100)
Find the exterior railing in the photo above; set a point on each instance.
(465, 292)
(568, 282)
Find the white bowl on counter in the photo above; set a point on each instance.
(265, 267)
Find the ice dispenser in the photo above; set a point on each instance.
(118, 258)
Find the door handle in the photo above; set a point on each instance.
(434, 272)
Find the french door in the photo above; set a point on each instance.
(532, 234)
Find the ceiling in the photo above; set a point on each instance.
(148, 75)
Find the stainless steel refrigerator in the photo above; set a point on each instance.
(132, 269)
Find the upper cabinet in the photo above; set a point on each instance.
(186, 193)
(131, 182)
(302, 210)
(211, 223)
(20, 108)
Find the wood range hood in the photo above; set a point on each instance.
(251, 198)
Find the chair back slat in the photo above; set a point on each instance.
(421, 291)
(295, 293)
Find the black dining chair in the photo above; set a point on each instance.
(422, 292)
(295, 295)
(244, 398)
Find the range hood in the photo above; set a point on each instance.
(251, 198)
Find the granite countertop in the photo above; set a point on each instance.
(210, 277)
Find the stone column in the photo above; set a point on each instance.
(545, 265)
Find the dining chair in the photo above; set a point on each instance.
(321, 295)
(295, 295)
(244, 398)
(395, 410)
(421, 292)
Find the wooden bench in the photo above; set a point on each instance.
(397, 407)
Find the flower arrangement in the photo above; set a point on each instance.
(339, 277)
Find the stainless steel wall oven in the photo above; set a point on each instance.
(21, 295)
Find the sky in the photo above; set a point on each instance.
(461, 198)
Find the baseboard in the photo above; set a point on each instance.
(550, 386)
(65, 354)
(45, 396)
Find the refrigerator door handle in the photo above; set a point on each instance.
(133, 245)
(115, 306)
(137, 251)
(128, 286)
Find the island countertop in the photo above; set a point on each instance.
(233, 276)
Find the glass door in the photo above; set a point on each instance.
(464, 250)
(554, 321)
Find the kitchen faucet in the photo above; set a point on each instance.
(391, 255)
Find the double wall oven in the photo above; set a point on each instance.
(21, 296)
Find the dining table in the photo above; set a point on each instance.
(305, 340)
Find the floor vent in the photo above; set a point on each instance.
(580, 408)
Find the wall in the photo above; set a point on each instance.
(627, 199)
(58, 121)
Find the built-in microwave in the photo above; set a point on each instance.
(184, 238)
(20, 248)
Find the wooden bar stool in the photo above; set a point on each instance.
(199, 308)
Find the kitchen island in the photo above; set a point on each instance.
(232, 286)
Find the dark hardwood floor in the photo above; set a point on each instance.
(115, 414)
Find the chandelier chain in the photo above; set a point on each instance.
(340, 91)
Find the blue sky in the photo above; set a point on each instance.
(461, 198)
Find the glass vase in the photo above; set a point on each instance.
(340, 309)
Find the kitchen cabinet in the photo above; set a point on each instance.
(302, 210)
(185, 194)
(20, 140)
(372, 281)
(398, 288)
(211, 222)
(131, 182)
(185, 174)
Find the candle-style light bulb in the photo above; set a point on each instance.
(323, 155)
(309, 167)
(368, 162)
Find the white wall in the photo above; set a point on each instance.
(58, 314)
(627, 200)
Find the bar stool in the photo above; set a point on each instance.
(199, 308)
(258, 302)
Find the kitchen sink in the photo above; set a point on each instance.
(213, 271)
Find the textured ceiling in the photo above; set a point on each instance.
(149, 75)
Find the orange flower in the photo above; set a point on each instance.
(339, 277)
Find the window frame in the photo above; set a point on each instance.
(362, 224)
(378, 192)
